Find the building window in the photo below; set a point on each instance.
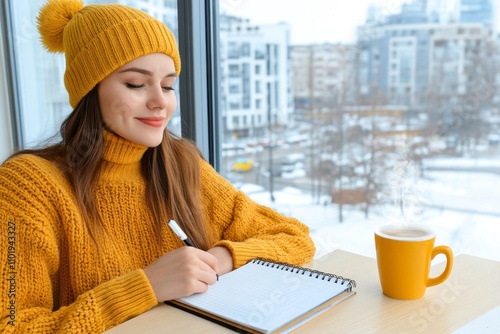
(233, 50)
(234, 71)
(258, 104)
(234, 89)
(257, 69)
(245, 50)
(257, 87)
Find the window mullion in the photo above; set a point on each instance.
(10, 127)
(198, 38)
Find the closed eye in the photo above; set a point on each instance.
(168, 88)
(129, 85)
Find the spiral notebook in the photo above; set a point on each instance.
(264, 296)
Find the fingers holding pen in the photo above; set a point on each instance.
(205, 271)
(182, 272)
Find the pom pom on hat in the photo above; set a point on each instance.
(52, 20)
(98, 39)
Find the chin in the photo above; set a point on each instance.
(155, 144)
(150, 143)
(146, 139)
(153, 141)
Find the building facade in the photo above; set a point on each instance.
(479, 11)
(321, 76)
(400, 60)
(255, 76)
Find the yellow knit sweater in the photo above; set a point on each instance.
(53, 280)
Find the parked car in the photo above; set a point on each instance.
(294, 158)
(242, 165)
(296, 173)
(275, 171)
(287, 167)
(292, 162)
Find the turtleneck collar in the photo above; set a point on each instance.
(121, 151)
(122, 159)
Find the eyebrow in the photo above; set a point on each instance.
(145, 72)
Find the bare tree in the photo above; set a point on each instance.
(456, 101)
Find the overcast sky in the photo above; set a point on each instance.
(311, 21)
(315, 21)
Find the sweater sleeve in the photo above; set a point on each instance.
(249, 229)
(30, 251)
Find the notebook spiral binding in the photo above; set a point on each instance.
(302, 270)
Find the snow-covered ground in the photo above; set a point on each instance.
(463, 207)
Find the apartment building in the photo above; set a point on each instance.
(255, 76)
(402, 57)
(321, 75)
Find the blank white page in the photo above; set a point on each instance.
(265, 297)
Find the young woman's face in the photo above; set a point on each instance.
(137, 100)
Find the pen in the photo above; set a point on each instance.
(180, 233)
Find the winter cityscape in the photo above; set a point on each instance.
(416, 88)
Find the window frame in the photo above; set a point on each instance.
(198, 47)
(200, 117)
(11, 126)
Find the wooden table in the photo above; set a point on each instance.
(472, 290)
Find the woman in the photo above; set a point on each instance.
(85, 229)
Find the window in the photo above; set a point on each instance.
(245, 50)
(425, 107)
(234, 70)
(355, 123)
(233, 50)
(39, 87)
(258, 103)
(234, 89)
(405, 66)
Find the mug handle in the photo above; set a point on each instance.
(449, 265)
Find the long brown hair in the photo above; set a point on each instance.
(171, 170)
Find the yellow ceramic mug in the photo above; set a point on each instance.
(404, 254)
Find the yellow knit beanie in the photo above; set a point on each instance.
(97, 39)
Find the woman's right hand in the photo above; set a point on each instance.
(182, 272)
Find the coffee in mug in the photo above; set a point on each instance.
(404, 253)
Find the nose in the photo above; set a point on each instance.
(157, 99)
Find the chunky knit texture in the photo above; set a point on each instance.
(52, 277)
(97, 39)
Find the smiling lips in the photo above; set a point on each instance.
(156, 122)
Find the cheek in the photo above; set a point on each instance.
(172, 105)
(114, 107)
